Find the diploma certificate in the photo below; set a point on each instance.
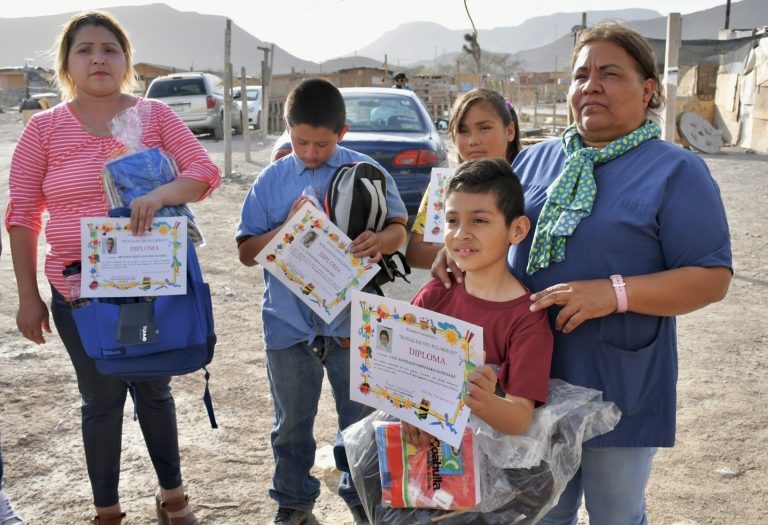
(116, 263)
(413, 363)
(311, 256)
(434, 226)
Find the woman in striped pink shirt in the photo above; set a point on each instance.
(56, 168)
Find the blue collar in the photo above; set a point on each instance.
(334, 161)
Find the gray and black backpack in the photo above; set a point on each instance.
(357, 201)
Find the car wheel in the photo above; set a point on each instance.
(257, 123)
(238, 128)
(218, 131)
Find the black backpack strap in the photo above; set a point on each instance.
(208, 401)
(390, 271)
(374, 288)
(406, 267)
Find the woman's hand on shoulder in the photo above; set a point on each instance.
(32, 320)
(580, 301)
(441, 266)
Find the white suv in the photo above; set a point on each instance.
(254, 103)
(198, 98)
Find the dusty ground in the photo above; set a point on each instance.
(723, 422)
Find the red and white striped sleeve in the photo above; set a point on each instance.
(175, 138)
(28, 167)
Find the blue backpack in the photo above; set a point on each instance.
(137, 338)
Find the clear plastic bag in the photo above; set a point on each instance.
(521, 477)
(141, 170)
(312, 195)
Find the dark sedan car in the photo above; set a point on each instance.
(394, 128)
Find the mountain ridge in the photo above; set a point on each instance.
(704, 24)
(415, 41)
(198, 39)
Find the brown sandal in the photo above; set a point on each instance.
(108, 520)
(166, 508)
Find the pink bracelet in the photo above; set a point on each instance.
(621, 293)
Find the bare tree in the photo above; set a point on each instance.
(502, 64)
(442, 69)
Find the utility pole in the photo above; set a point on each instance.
(674, 32)
(228, 100)
(458, 76)
(244, 115)
(265, 91)
(576, 30)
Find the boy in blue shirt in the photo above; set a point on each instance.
(299, 344)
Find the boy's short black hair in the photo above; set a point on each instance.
(494, 176)
(317, 103)
(401, 76)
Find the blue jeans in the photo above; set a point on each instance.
(612, 481)
(103, 399)
(295, 382)
(1, 468)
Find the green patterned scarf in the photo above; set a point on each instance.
(571, 195)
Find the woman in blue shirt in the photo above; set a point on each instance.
(630, 231)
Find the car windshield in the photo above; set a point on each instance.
(253, 94)
(382, 113)
(177, 87)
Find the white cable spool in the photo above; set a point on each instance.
(699, 133)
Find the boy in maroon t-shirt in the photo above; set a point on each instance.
(483, 217)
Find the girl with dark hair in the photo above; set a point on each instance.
(483, 124)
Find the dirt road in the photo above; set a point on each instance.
(717, 473)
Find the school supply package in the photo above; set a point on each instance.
(433, 476)
(140, 170)
(136, 174)
(357, 201)
(520, 478)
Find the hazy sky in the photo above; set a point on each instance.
(322, 29)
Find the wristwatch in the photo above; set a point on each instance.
(621, 293)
